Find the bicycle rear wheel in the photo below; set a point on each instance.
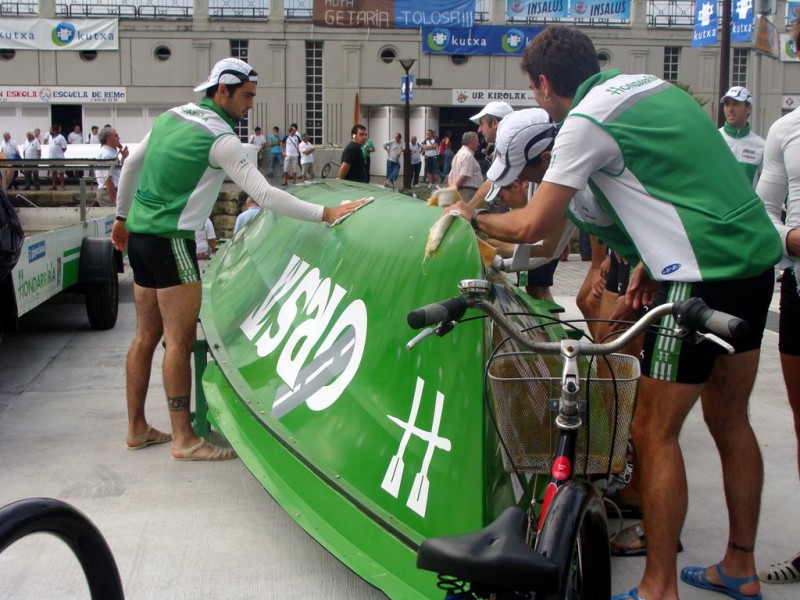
(575, 537)
(326, 170)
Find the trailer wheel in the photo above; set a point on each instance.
(102, 301)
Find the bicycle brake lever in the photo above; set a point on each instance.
(442, 329)
(695, 337)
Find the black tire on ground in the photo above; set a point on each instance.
(326, 170)
(575, 537)
(102, 301)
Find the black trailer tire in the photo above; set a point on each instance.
(102, 301)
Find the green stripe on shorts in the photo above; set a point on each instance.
(183, 261)
(667, 348)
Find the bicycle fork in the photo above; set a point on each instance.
(568, 422)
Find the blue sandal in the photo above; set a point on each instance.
(632, 594)
(696, 576)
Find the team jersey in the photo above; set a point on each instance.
(667, 190)
(747, 147)
(178, 187)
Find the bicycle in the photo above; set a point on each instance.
(565, 552)
(326, 170)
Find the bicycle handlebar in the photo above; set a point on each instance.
(692, 314)
(451, 309)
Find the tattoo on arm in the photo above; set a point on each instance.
(178, 403)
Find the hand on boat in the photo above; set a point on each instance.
(333, 214)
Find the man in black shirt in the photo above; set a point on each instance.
(353, 167)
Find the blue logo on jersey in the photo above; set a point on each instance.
(670, 268)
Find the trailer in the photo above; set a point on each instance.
(66, 248)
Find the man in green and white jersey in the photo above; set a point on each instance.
(167, 189)
(747, 147)
(670, 197)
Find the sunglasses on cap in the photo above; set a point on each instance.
(549, 133)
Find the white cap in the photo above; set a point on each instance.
(228, 71)
(739, 94)
(521, 137)
(497, 109)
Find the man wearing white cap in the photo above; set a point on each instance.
(747, 147)
(524, 141)
(167, 189)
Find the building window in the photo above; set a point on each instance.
(604, 58)
(672, 55)
(239, 49)
(388, 54)
(162, 53)
(459, 59)
(7, 54)
(314, 91)
(739, 66)
(87, 55)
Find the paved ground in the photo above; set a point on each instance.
(185, 530)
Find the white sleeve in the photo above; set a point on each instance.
(209, 229)
(228, 154)
(129, 177)
(582, 148)
(780, 175)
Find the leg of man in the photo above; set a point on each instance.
(661, 408)
(725, 401)
(149, 329)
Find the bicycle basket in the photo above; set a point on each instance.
(527, 389)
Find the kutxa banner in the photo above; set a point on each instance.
(496, 40)
(54, 34)
(394, 14)
(559, 9)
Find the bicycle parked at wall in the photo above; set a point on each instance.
(335, 152)
(563, 551)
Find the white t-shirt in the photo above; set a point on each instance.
(306, 158)
(32, 149)
(58, 145)
(292, 145)
(202, 236)
(74, 138)
(107, 152)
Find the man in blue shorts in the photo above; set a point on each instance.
(625, 137)
(167, 190)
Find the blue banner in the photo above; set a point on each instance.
(705, 24)
(559, 9)
(742, 22)
(403, 89)
(493, 40)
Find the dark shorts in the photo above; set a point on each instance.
(159, 262)
(542, 276)
(667, 358)
(789, 322)
(618, 275)
(431, 164)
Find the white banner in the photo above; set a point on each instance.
(53, 34)
(788, 51)
(36, 94)
(463, 97)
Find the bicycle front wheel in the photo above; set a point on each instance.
(575, 537)
(326, 170)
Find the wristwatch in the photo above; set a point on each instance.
(474, 220)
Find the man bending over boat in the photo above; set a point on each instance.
(167, 189)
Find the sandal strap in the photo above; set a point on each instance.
(734, 583)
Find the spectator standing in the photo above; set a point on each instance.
(251, 210)
(368, 148)
(291, 152)
(466, 172)
(446, 153)
(31, 150)
(353, 167)
(394, 148)
(430, 148)
(108, 179)
(75, 136)
(307, 158)
(779, 186)
(94, 135)
(416, 160)
(275, 154)
(205, 241)
(10, 150)
(159, 208)
(259, 140)
(487, 121)
(58, 146)
(747, 147)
